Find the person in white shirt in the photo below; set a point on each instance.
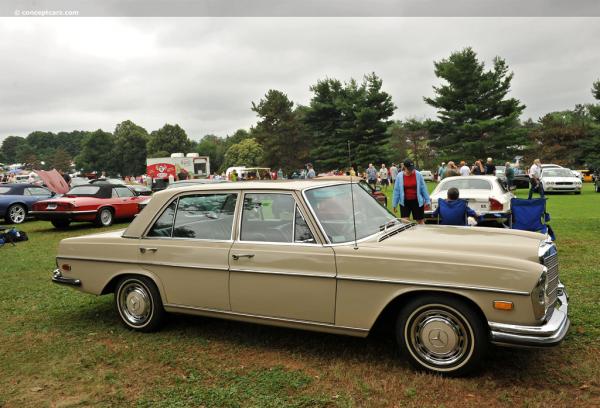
(383, 177)
(464, 169)
(535, 174)
(393, 173)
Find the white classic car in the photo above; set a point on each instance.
(485, 194)
(560, 180)
(427, 175)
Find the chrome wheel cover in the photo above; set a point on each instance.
(16, 214)
(439, 337)
(135, 303)
(105, 217)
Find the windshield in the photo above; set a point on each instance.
(557, 173)
(465, 184)
(5, 190)
(332, 206)
(500, 169)
(83, 190)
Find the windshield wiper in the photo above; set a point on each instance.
(403, 227)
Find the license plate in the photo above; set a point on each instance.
(51, 207)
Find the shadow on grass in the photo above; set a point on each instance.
(80, 226)
(502, 365)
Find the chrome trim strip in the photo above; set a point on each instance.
(63, 212)
(175, 265)
(246, 270)
(435, 285)
(279, 319)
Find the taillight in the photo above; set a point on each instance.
(64, 206)
(495, 205)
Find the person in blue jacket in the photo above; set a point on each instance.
(410, 192)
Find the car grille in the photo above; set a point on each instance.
(564, 183)
(550, 261)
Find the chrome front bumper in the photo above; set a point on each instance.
(57, 277)
(549, 334)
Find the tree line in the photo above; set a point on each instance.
(476, 118)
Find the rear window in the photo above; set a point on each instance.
(84, 190)
(466, 184)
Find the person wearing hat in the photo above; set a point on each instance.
(410, 191)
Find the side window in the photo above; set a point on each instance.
(26, 192)
(302, 232)
(268, 218)
(205, 216)
(37, 191)
(163, 227)
(124, 192)
(113, 193)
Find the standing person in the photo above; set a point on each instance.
(410, 191)
(478, 169)
(66, 177)
(279, 174)
(441, 171)
(233, 175)
(310, 173)
(393, 173)
(383, 176)
(464, 169)
(451, 170)
(509, 172)
(372, 175)
(535, 174)
(490, 168)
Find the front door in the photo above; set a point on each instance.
(188, 248)
(277, 267)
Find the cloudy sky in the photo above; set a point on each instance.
(203, 73)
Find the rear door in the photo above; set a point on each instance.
(188, 245)
(126, 202)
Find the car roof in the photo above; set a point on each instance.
(488, 178)
(262, 184)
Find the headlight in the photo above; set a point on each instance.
(538, 295)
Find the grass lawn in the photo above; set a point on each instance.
(59, 347)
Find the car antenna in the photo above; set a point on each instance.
(352, 195)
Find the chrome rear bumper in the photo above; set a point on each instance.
(57, 277)
(549, 334)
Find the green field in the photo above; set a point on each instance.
(59, 347)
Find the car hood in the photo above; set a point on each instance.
(561, 179)
(468, 241)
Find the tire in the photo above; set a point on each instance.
(577, 192)
(138, 303)
(104, 218)
(61, 224)
(15, 214)
(442, 334)
(597, 188)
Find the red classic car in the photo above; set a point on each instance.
(100, 204)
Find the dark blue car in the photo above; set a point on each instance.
(16, 200)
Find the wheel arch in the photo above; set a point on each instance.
(110, 286)
(23, 204)
(386, 319)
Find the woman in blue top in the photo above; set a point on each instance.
(410, 191)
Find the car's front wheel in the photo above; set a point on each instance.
(138, 303)
(441, 334)
(15, 214)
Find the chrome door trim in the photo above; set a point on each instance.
(168, 264)
(429, 284)
(271, 318)
(262, 271)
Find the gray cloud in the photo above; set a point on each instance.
(203, 73)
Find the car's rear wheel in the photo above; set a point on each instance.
(15, 214)
(104, 218)
(139, 304)
(441, 334)
(61, 224)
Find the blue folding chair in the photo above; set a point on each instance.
(452, 212)
(530, 215)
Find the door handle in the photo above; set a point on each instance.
(238, 256)
(144, 250)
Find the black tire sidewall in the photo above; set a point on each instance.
(157, 312)
(476, 331)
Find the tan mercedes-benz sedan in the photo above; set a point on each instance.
(325, 256)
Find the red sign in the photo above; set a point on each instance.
(161, 170)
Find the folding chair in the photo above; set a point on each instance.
(452, 212)
(530, 215)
